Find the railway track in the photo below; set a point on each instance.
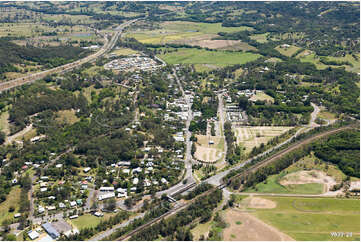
(289, 149)
(252, 169)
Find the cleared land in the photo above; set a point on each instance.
(306, 176)
(4, 122)
(287, 51)
(313, 218)
(246, 227)
(197, 56)
(254, 136)
(124, 51)
(260, 38)
(67, 117)
(182, 32)
(209, 152)
(12, 199)
(309, 56)
(261, 96)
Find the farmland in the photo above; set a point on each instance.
(182, 32)
(313, 218)
(197, 56)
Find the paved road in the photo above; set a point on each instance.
(108, 45)
(314, 114)
(221, 115)
(188, 156)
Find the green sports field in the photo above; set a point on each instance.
(200, 56)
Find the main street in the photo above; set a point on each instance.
(188, 155)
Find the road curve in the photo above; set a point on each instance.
(108, 45)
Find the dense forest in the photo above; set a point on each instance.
(11, 54)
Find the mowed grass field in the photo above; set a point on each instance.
(200, 56)
(12, 199)
(313, 218)
(254, 136)
(86, 221)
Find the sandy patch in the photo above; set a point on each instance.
(305, 177)
(246, 227)
(257, 202)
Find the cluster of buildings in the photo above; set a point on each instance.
(131, 63)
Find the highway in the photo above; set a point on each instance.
(108, 45)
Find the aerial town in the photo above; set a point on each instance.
(179, 121)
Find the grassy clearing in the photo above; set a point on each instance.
(12, 199)
(4, 122)
(289, 51)
(308, 163)
(261, 96)
(309, 56)
(272, 185)
(201, 229)
(197, 56)
(260, 38)
(313, 218)
(327, 115)
(86, 221)
(124, 51)
(174, 31)
(67, 117)
(273, 60)
(205, 67)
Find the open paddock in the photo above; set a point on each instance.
(287, 51)
(243, 226)
(313, 218)
(197, 56)
(254, 136)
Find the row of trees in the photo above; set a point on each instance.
(173, 228)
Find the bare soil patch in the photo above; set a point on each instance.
(246, 227)
(305, 177)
